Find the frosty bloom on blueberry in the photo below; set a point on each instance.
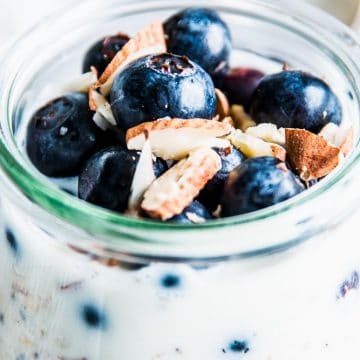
(258, 183)
(295, 99)
(62, 135)
(201, 35)
(163, 143)
(101, 53)
(161, 86)
(107, 177)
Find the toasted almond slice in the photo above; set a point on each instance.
(174, 139)
(348, 143)
(336, 136)
(172, 192)
(268, 132)
(99, 104)
(150, 40)
(241, 119)
(143, 177)
(101, 122)
(223, 106)
(229, 121)
(252, 146)
(82, 83)
(310, 155)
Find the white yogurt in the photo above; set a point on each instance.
(57, 304)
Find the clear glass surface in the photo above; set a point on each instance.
(80, 282)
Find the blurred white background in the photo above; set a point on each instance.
(16, 15)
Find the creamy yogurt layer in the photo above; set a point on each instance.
(60, 302)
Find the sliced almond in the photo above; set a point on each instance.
(252, 146)
(150, 40)
(268, 133)
(172, 192)
(143, 177)
(348, 143)
(99, 104)
(310, 155)
(223, 106)
(229, 121)
(241, 119)
(101, 122)
(174, 139)
(342, 138)
(82, 83)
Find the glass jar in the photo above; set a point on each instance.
(79, 282)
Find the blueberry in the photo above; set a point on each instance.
(158, 86)
(103, 51)
(258, 183)
(239, 85)
(13, 243)
(93, 316)
(239, 346)
(107, 177)
(211, 195)
(201, 35)
(170, 281)
(113, 137)
(62, 135)
(193, 214)
(295, 99)
(351, 284)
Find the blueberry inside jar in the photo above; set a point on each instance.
(199, 163)
(169, 101)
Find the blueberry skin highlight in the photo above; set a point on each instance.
(195, 208)
(211, 195)
(107, 177)
(201, 35)
(102, 52)
(160, 86)
(295, 99)
(256, 184)
(61, 136)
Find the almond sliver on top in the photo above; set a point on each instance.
(172, 192)
(174, 139)
(150, 40)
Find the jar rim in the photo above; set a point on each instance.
(105, 222)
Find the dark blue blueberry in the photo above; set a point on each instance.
(350, 284)
(256, 184)
(239, 85)
(113, 137)
(195, 213)
(295, 99)
(170, 281)
(12, 241)
(62, 135)
(160, 86)
(239, 346)
(102, 52)
(107, 177)
(211, 195)
(93, 316)
(201, 35)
